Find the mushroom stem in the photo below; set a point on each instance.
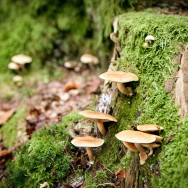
(140, 148)
(125, 90)
(130, 146)
(101, 128)
(150, 151)
(90, 155)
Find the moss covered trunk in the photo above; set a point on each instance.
(152, 102)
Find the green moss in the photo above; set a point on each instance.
(43, 158)
(125, 112)
(71, 117)
(153, 65)
(9, 129)
(150, 104)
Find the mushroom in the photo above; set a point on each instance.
(88, 142)
(14, 66)
(149, 128)
(120, 78)
(151, 146)
(18, 80)
(143, 157)
(99, 118)
(136, 137)
(21, 60)
(89, 59)
(149, 38)
(130, 146)
(158, 138)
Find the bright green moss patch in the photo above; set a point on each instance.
(43, 158)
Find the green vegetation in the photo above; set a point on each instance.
(10, 128)
(43, 158)
(153, 65)
(42, 26)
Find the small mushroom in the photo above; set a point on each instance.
(99, 118)
(149, 38)
(88, 142)
(14, 66)
(135, 137)
(130, 146)
(143, 157)
(18, 80)
(21, 60)
(151, 146)
(89, 59)
(120, 78)
(158, 138)
(149, 128)
(146, 45)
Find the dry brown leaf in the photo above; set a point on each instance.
(4, 152)
(121, 173)
(70, 86)
(5, 115)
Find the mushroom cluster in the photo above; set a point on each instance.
(18, 64)
(135, 141)
(141, 140)
(89, 141)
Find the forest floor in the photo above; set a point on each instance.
(46, 105)
(42, 101)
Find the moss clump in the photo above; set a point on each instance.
(42, 159)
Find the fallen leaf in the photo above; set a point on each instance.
(121, 173)
(5, 116)
(70, 86)
(4, 153)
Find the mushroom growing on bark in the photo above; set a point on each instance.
(99, 118)
(151, 146)
(135, 137)
(88, 142)
(21, 60)
(149, 128)
(120, 78)
(143, 157)
(136, 141)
